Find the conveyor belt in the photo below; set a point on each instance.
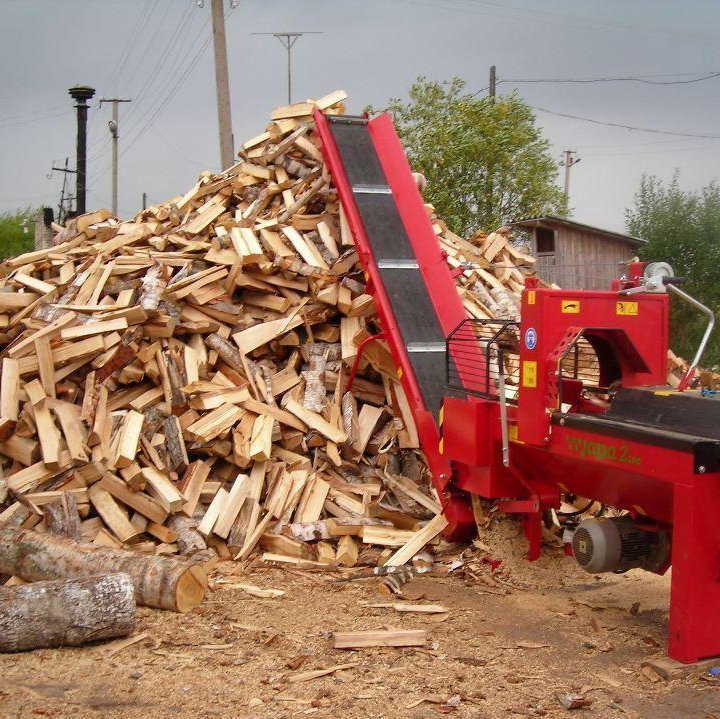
(393, 253)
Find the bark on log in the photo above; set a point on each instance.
(189, 540)
(161, 582)
(66, 613)
(62, 518)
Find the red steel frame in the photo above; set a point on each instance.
(657, 484)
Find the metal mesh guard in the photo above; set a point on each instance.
(476, 349)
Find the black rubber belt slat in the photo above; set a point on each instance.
(360, 160)
(414, 312)
(418, 324)
(384, 227)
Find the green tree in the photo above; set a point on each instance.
(486, 162)
(17, 232)
(683, 228)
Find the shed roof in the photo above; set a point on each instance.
(564, 222)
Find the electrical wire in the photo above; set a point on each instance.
(152, 77)
(41, 118)
(179, 81)
(183, 75)
(177, 150)
(592, 80)
(154, 72)
(133, 38)
(625, 127)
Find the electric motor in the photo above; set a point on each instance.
(616, 544)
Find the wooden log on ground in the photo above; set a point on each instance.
(68, 612)
(160, 582)
(189, 540)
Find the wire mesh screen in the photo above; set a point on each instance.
(478, 349)
(476, 352)
(585, 276)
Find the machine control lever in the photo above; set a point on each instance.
(706, 336)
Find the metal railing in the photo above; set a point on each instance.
(482, 356)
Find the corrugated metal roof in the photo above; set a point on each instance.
(562, 221)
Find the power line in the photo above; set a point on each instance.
(154, 72)
(153, 114)
(177, 150)
(150, 43)
(591, 80)
(183, 75)
(625, 127)
(134, 120)
(41, 118)
(127, 48)
(32, 113)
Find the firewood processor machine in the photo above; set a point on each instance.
(515, 412)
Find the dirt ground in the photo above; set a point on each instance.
(511, 640)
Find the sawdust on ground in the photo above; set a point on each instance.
(513, 637)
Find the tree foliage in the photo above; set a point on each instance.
(17, 232)
(486, 162)
(683, 228)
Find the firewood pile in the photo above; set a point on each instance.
(176, 383)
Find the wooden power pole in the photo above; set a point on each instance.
(492, 85)
(222, 81)
(570, 158)
(287, 40)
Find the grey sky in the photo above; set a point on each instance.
(149, 50)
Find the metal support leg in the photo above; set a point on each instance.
(694, 626)
(360, 349)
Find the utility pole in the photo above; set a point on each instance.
(569, 159)
(222, 81)
(113, 126)
(81, 94)
(287, 40)
(492, 84)
(65, 198)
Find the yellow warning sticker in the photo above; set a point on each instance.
(531, 297)
(570, 307)
(529, 374)
(399, 373)
(629, 309)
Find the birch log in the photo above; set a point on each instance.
(66, 613)
(161, 582)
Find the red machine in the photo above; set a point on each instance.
(573, 399)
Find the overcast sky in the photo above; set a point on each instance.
(152, 51)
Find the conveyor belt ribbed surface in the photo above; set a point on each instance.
(415, 315)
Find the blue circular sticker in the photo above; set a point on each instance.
(530, 338)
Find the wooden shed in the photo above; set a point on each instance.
(575, 255)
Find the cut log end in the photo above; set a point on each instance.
(190, 589)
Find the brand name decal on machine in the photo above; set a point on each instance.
(600, 451)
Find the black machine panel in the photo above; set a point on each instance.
(684, 422)
(679, 412)
(415, 315)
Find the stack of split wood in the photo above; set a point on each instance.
(177, 382)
